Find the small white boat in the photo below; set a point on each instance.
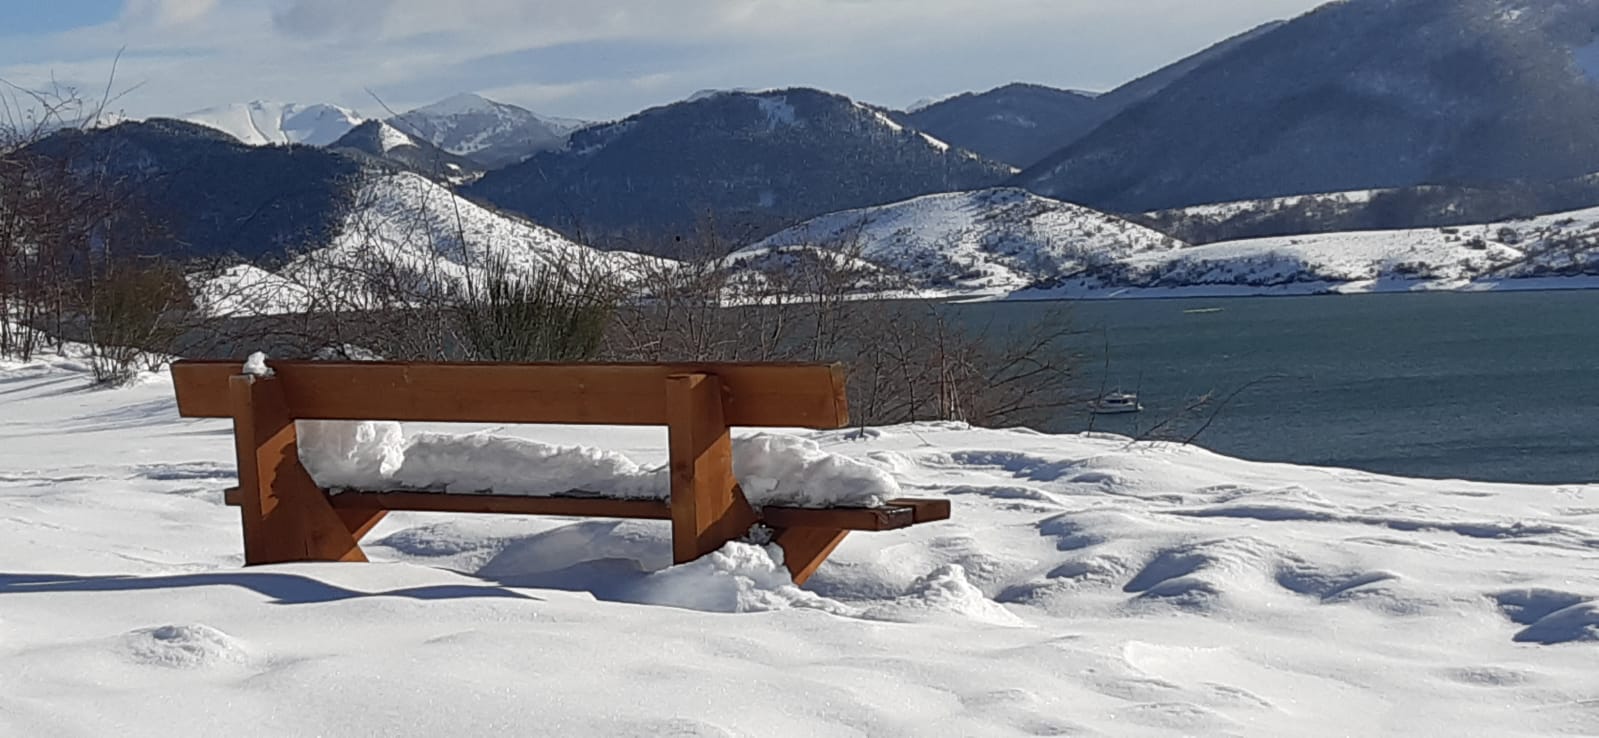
(1116, 403)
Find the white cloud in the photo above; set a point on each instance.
(167, 12)
(196, 53)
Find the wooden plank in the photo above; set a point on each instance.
(758, 395)
(708, 508)
(286, 517)
(900, 514)
(804, 549)
(927, 511)
(842, 518)
(589, 507)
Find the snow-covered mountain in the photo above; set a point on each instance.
(261, 123)
(1021, 124)
(491, 133)
(995, 240)
(378, 141)
(1359, 94)
(746, 164)
(401, 224)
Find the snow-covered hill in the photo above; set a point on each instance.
(1007, 242)
(401, 224)
(995, 240)
(491, 133)
(1548, 251)
(260, 123)
(1085, 585)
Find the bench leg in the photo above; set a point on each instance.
(708, 508)
(804, 549)
(359, 522)
(286, 516)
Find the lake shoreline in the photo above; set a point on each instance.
(1297, 289)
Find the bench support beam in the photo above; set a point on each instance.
(708, 508)
(804, 549)
(286, 516)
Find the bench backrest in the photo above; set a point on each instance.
(755, 395)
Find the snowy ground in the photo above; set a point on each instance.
(1085, 586)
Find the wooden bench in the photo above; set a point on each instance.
(288, 518)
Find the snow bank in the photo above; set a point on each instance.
(944, 594)
(772, 469)
(740, 577)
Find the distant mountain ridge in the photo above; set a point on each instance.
(1358, 94)
(1017, 124)
(1022, 123)
(744, 164)
(491, 133)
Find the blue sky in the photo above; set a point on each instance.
(595, 58)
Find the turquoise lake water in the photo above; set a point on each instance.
(1495, 387)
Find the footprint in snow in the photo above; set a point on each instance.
(183, 647)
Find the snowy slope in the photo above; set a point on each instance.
(1489, 256)
(260, 123)
(994, 240)
(1086, 585)
(407, 222)
(1225, 210)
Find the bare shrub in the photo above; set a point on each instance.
(134, 316)
(558, 312)
(907, 360)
